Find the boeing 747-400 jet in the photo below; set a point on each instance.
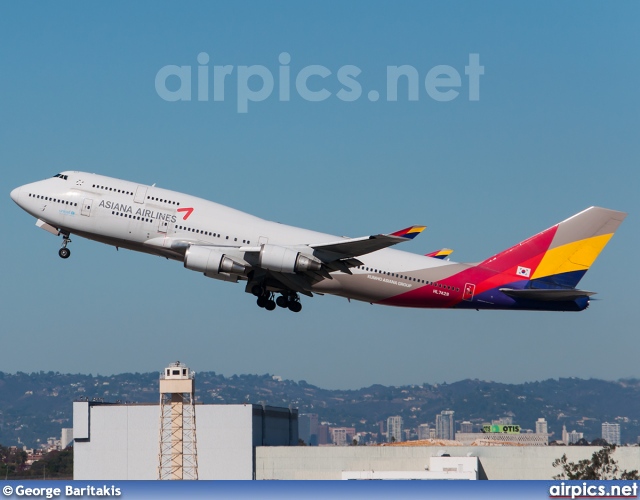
(278, 263)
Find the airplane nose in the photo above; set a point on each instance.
(15, 195)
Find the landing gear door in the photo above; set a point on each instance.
(86, 207)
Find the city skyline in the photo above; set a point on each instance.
(36, 406)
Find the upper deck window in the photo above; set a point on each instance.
(61, 176)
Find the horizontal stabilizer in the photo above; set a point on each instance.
(546, 294)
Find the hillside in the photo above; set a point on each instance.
(36, 406)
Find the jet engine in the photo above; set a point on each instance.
(209, 261)
(286, 260)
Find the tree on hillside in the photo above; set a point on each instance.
(54, 464)
(12, 461)
(600, 466)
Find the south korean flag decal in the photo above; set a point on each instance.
(523, 271)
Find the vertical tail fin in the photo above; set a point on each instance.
(559, 256)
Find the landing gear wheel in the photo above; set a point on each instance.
(257, 290)
(262, 301)
(64, 252)
(270, 305)
(282, 301)
(295, 307)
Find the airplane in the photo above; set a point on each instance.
(278, 263)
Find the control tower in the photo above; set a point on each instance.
(178, 457)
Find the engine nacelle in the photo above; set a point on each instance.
(286, 260)
(208, 261)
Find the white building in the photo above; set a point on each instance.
(66, 438)
(439, 468)
(541, 426)
(445, 425)
(611, 433)
(574, 437)
(411, 462)
(423, 431)
(395, 429)
(565, 435)
(117, 441)
(466, 427)
(342, 436)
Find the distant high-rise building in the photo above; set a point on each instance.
(541, 426)
(423, 431)
(611, 433)
(565, 435)
(308, 428)
(342, 436)
(67, 437)
(395, 429)
(574, 437)
(432, 433)
(466, 427)
(323, 434)
(445, 426)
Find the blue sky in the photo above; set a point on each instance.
(555, 130)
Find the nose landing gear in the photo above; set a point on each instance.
(64, 252)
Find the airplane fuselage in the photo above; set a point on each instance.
(167, 223)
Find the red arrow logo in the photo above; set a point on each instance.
(188, 212)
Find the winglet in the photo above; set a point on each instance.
(440, 254)
(410, 232)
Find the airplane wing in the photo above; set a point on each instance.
(333, 256)
(353, 247)
(250, 263)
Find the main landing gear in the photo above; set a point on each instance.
(64, 252)
(265, 300)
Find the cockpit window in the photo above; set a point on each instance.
(61, 176)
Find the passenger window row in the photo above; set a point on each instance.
(155, 198)
(55, 200)
(208, 233)
(107, 188)
(130, 216)
(409, 278)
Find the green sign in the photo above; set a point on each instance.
(501, 429)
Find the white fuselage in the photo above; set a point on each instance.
(148, 218)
